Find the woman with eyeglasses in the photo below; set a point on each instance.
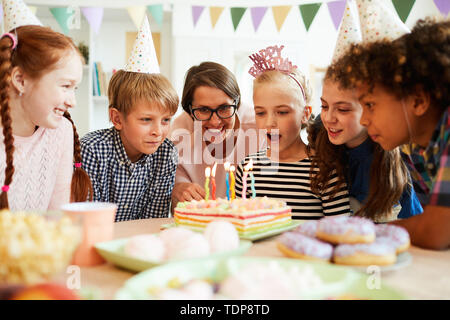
(214, 128)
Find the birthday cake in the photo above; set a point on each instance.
(252, 216)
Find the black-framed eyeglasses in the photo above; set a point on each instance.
(205, 113)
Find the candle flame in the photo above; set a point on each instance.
(207, 172)
(232, 168)
(226, 166)
(249, 165)
(213, 171)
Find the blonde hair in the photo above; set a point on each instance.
(272, 76)
(126, 89)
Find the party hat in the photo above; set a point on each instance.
(143, 56)
(349, 31)
(16, 14)
(378, 22)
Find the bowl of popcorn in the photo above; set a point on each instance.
(36, 246)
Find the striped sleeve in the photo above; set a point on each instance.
(337, 203)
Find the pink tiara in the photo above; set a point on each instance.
(270, 59)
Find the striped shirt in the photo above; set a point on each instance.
(291, 182)
(141, 189)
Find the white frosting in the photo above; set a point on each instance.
(346, 225)
(308, 228)
(193, 246)
(306, 245)
(375, 248)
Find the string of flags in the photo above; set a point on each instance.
(67, 17)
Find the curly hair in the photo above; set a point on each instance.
(420, 59)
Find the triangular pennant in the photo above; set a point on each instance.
(33, 9)
(136, 14)
(196, 13)
(279, 14)
(94, 17)
(336, 9)
(257, 14)
(16, 14)
(143, 57)
(379, 22)
(308, 12)
(443, 6)
(62, 16)
(404, 7)
(349, 31)
(236, 15)
(214, 13)
(157, 12)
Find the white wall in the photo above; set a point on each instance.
(184, 45)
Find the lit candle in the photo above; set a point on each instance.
(213, 181)
(233, 182)
(207, 174)
(227, 182)
(244, 179)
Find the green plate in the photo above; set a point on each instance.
(112, 251)
(253, 237)
(338, 282)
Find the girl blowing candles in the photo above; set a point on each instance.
(403, 87)
(39, 72)
(281, 96)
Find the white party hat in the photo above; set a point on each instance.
(378, 22)
(143, 56)
(349, 31)
(16, 14)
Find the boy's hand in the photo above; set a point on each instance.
(186, 191)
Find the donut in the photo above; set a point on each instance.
(297, 245)
(308, 228)
(344, 229)
(393, 235)
(365, 254)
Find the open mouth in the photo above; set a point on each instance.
(214, 134)
(334, 132)
(59, 112)
(273, 137)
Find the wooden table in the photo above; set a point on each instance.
(426, 277)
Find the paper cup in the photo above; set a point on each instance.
(97, 219)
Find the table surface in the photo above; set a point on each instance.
(426, 277)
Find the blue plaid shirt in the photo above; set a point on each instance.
(142, 189)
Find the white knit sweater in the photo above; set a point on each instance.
(43, 164)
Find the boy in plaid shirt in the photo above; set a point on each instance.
(133, 164)
(404, 88)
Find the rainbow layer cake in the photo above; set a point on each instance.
(253, 216)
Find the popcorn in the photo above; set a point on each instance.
(33, 247)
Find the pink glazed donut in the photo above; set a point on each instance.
(308, 228)
(344, 229)
(395, 236)
(365, 254)
(297, 245)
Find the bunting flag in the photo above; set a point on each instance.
(236, 15)
(308, 12)
(62, 17)
(94, 17)
(215, 13)
(279, 14)
(403, 8)
(136, 14)
(336, 9)
(257, 14)
(443, 6)
(157, 12)
(196, 13)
